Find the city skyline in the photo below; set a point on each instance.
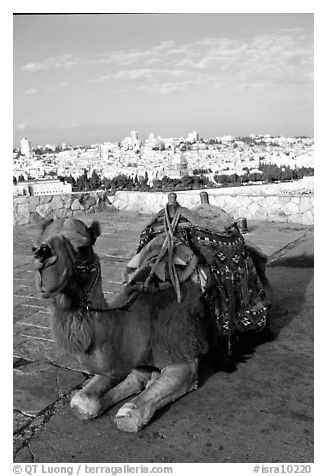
(84, 79)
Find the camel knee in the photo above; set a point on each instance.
(183, 376)
(139, 379)
(155, 374)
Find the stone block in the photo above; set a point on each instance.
(306, 203)
(78, 213)
(67, 200)
(37, 332)
(39, 384)
(272, 200)
(291, 208)
(296, 200)
(262, 201)
(23, 208)
(20, 421)
(35, 387)
(188, 201)
(243, 213)
(35, 349)
(120, 201)
(307, 218)
(312, 200)
(21, 219)
(254, 207)
(57, 202)
(261, 214)
(45, 210)
(21, 214)
(244, 200)
(45, 199)
(231, 205)
(68, 379)
(277, 215)
(76, 205)
(21, 200)
(295, 218)
(61, 213)
(88, 201)
(282, 216)
(119, 204)
(33, 202)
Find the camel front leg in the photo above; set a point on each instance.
(174, 381)
(102, 393)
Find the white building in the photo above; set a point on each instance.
(176, 167)
(26, 147)
(193, 136)
(42, 187)
(135, 141)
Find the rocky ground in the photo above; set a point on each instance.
(261, 411)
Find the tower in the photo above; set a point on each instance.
(134, 137)
(26, 147)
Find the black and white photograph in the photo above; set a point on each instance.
(163, 241)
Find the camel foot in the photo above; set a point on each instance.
(129, 418)
(85, 407)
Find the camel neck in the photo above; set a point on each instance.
(73, 316)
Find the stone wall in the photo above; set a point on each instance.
(248, 202)
(292, 208)
(61, 206)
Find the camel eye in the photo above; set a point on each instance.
(43, 252)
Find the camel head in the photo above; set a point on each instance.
(63, 249)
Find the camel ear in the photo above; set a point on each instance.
(38, 221)
(94, 231)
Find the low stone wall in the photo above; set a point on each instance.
(292, 208)
(61, 206)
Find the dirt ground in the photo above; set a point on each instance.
(260, 411)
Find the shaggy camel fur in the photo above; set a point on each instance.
(143, 343)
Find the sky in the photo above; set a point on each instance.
(83, 79)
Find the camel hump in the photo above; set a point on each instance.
(212, 217)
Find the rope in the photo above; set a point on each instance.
(168, 245)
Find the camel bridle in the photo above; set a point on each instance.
(47, 258)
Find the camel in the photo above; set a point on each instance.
(173, 308)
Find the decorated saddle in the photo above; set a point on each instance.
(204, 245)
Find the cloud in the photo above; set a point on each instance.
(169, 87)
(65, 61)
(22, 126)
(30, 91)
(61, 84)
(276, 59)
(147, 74)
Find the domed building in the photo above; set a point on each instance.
(173, 166)
(177, 166)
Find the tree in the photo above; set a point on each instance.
(95, 181)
